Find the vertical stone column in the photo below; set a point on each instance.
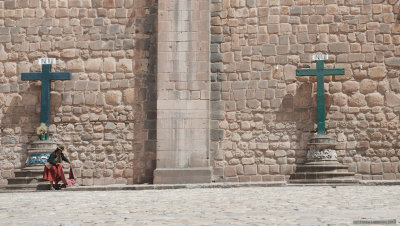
(183, 92)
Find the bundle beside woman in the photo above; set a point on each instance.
(53, 170)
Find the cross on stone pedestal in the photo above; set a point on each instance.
(320, 72)
(45, 76)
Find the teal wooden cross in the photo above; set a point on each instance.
(45, 76)
(320, 72)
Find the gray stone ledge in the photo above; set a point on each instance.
(123, 187)
(379, 182)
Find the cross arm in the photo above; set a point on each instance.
(306, 72)
(31, 76)
(60, 76)
(334, 71)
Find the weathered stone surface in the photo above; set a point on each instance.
(393, 62)
(364, 167)
(76, 65)
(129, 96)
(3, 54)
(243, 66)
(263, 169)
(351, 86)
(290, 73)
(375, 99)
(10, 69)
(258, 109)
(339, 47)
(93, 50)
(110, 65)
(113, 97)
(94, 65)
(340, 99)
(368, 86)
(357, 100)
(268, 50)
(377, 72)
(376, 168)
(392, 99)
(124, 65)
(250, 169)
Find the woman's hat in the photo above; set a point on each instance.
(60, 147)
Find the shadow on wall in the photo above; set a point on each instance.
(21, 111)
(18, 123)
(300, 110)
(145, 51)
(398, 17)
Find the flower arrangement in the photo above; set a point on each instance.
(42, 130)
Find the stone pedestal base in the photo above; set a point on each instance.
(39, 151)
(322, 165)
(182, 175)
(321, 148)
(30, 177)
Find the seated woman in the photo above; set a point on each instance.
(53, 171)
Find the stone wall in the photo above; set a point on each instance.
(105, 115)
(263, 115)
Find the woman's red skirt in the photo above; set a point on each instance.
(55, 173)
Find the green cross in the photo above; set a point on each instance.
(320, 72)
(45, 76)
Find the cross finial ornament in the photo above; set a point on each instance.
(320, 72)
(45, 76)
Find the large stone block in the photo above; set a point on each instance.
(290, 73)
(243, 66)
(375, 99)
(129, 96)
(335, 87)
(109, 65)
(390, 167)
(79, 99)
(376, 168)
(368, 86)
(364, 167)
(230, 171)
(389, 176)
(76, 65)
(377, 72)
(10, 69)
(339, 47)
(351, 86)
(90, 98)
(268, 50)
(393, 61)
(5, 38)
(4, 55)
(263, 169)
(392, 99)
(357, 100)
(248, 161)
(339, 99)
(113, 97)
(250, 169)
(94, 65)
(124, 65)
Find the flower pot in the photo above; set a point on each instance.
(43, 137)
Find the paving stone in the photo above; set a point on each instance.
(286, 205)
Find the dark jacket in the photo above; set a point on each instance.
(53, 156)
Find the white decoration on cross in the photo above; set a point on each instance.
(320, 57)
(47, 61)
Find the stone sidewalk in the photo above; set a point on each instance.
(251, 205)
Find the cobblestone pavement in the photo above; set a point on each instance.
(292, 205)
